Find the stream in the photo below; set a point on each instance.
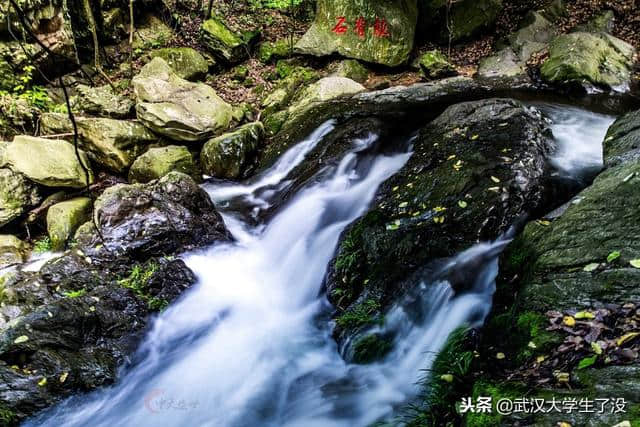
(250, 344)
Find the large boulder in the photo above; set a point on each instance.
(17, 194)
(50, 162)
(371, 30)
(176, 108)
(225, 44)
(456, 20)
(352, 69)
(17, 116)
(474, 171)
(64, 218)
(434, 65)
(588, 60)
(159, 161)
(227, 155)
(187, 62)
(69, 328)
(138, 221)
(111, 143)
(103, 101)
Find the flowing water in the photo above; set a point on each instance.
(250, 344)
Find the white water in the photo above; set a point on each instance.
(250, 344)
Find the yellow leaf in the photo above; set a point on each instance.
(564, 424)
(462, 204)
(42, 382)
(500, 356)
(626, 337)
(569, 321)
(403, 205)
(596, 348)
(21, 339)
(474, 137)
(544, 222)
(562, 377)
(63, 377)
(532, 344)
(635, 263)
(447, 377)
(494, 179)
(584, 315)
(540, 359)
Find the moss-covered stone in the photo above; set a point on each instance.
(188, 63)
(157, 162)
(581, 59)
(352, 69)
(622, 142)
(50, 162)
(469, 17)
(63, 219)
(176, 108)
(111, 143)
(270, 51)
(103, 101)
(223, 43)
(434, 65)
(603, 22)
(227, 155)
(12, 250)
(370, 348)
(17, 195)
(384, 35)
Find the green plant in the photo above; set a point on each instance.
(360, 315)
(42, 245)
(138, 279)
(75, 294)
(34, 94)
(7, 416)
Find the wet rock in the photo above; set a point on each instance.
(50, 162)
(17, 116)
(185, 61)
(384, 35)
(223, 43)
(111, 143)
(103, 101)
(150, 32)
(137, 221)
(17, 195)
(622, 142)
(68, 328)
(158, 162)
(64, 218)
(475, 170)
(227, 156)
(587, 60)
(466, 18)
(504, 63)
(176, 108)
(434, 65)
(12, 251)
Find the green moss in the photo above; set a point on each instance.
(269, 51)
(157, 304)
(138, 278)
(75, 294)
(42, 245)
(7, 416)
(370, 348)
(360, 315)
(496, 392)
(214, 26)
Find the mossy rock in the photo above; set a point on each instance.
(434, 65)
(225, 44)
(103, 101)
(622, 142)
(372, 31)
(64, 218)
(586, 60)
(352, 69)
(270, 51)
(159, 161)
(188, 63)
(50, 162)
(17, 194)
(226, 156)
(12, 250)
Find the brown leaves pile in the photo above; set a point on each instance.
(593, 337)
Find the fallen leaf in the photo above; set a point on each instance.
(500, 356)
(591, 267)
(462, 204)
(635, 263)
(494, 179)
(587, 361)
(584, 315)
(596, 348)
(613, 256)
(447, 377)
(21, 339)
(42, 382)
(540, 359)
(569, 321)
(64, 376)
(626, 337)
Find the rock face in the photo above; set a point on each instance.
(111, 143)
(622, 142)
(17, 195)
(50, 162)
(185, 61)
(64, 218)
(270, 51)
(466, 17)
(138, 221)
(223, 43)
(16, 116)
(370, 30)
(12, 251)
(475, 169)
(352, 69)
(584, 59)
(227, 155)
(70, 327)
(176, 108)
(158, 162)
(103, 101)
